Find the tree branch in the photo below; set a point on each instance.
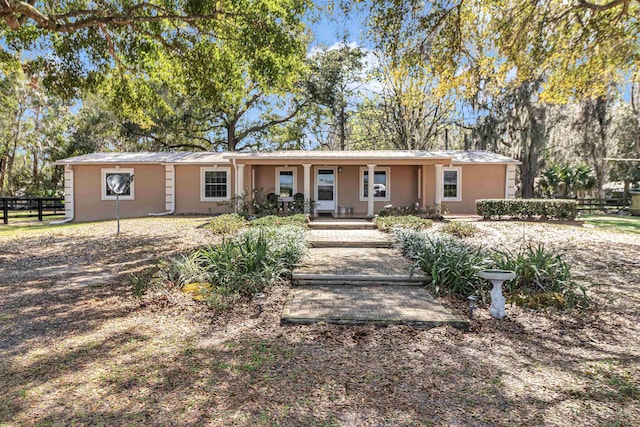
(14, 12)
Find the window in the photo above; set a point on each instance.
(214, 184)
(285, 183)
(451, 190)
(107, 194)
(380, 184)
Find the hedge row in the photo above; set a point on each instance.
(527, 208)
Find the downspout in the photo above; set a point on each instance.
(68, 196)
(173, 191)
(235, 174)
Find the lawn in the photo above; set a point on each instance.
(622, 223)
(77, 349)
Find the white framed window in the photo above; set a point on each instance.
(286, 183)
(107, 194)
(451, 184)
(381, 184)
(215, 184)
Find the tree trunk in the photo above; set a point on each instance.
(231, 136)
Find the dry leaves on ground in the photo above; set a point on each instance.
(76, 348)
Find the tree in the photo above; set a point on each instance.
(625, 133)
(336, 77)
(593, 125)
(576, 47)
(126, 48)
(32, 131)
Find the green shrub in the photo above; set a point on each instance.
(543, 278)
(300, 220)
(540, 271)
(226, 224)
(556, 209)
(387, 223)
(451, 264)
(142, 281)
(426, 212)
(459, 229)
(239, 266)
(182, 270)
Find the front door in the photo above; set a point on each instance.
(325, 189)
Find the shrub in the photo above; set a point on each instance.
(459, 229)
(142, 281)
(540, 271)
(387, 223)
(426, 212)
(226, 224)
(451, 264)
(237, 267)
(410, 242)
(557, 209)
(182, 270)
(300, 220)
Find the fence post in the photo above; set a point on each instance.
(40, 209)
(5, 210)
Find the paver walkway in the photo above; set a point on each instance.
(362, 284)
(367, 304)
(341, 237)
(355, 261)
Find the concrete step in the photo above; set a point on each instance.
(342, 225)
(350, 244)
(377, 305)
(306, 279)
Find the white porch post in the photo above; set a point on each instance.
(240, 182)
(438, 192)
(307, 185)
(370, 173)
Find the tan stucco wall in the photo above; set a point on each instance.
(403, 189)
(188, 191)
(148, 193)
(404, 184)
(479, 182)
(266, 178)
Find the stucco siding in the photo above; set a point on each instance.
(403, 189)
(149, 193)
(478, 182)
(188, 191)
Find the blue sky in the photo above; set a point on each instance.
(332, 27)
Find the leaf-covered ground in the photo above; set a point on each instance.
(77, 349)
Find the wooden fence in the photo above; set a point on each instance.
(603, 205)
(30, 207)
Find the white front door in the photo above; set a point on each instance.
(325, 189)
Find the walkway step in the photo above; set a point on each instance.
(379, 305)
(358, 279)
(342, 225)
(349, 244)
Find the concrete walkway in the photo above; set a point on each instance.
(352, 276)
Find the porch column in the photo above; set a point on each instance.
(370, 173)
(438, 192)
(307, 185)
(240, 182)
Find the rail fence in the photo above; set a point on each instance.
(30, 207)
(603, 205)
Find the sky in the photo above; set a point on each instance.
(331, 28)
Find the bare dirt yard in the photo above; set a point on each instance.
(77, 349)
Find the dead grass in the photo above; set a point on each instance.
(76, 349)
